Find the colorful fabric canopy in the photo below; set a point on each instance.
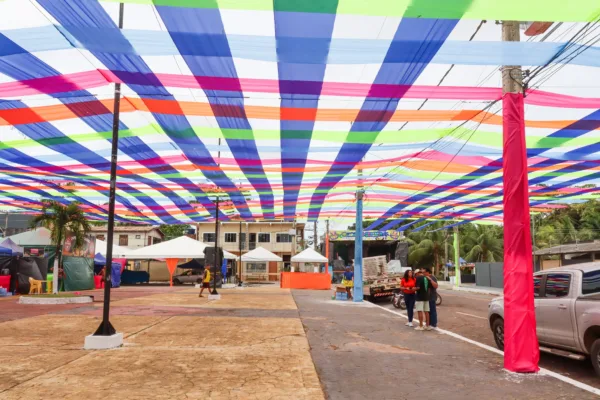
(283, 108)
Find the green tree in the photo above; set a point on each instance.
(427, 247)
(62, 221)
(174, 231)
(482, 243)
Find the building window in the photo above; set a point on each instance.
(231, 238)
(284, 238)
(149, 240)
(256, 268)
(208, 237)
(138, 236)
(123, 240)
(101, 237)
(264, 238)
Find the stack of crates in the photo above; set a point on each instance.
(341, 296)
(340, 293)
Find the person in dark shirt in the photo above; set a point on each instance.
(422, 303)
(432, 298)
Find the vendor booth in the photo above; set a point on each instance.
(115, 275)
(308, 279)
(173, 251)
(260, 265)
(118, 254)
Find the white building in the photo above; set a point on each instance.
(132, 237)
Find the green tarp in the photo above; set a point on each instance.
(79, 273)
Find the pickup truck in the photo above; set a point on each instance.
(567, 312)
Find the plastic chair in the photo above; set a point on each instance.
(35, 286)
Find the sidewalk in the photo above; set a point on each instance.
(364, 352)
(472, 288)
(249, 345)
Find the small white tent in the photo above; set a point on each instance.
(309, 256)
(118, 251)
(260, 254)
(257, 264)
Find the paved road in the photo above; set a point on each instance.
(466, 314)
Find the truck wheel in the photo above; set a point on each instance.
(595, 356)
(498, 330)
(176, 282)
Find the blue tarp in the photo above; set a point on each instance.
(100, 262)
(5, 252)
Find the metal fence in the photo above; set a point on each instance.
(489, 274)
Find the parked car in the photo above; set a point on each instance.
(194, 276)
(190, 276)
(567, 311)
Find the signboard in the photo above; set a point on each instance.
(88, 250)
(337, 236)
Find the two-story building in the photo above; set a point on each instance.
(275, 236)
(132, 237)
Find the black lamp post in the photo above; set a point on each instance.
(214, 291)
(106, 328)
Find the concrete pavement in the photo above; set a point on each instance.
(255, 343)
(362, 351)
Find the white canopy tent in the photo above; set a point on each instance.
(181, 247)
(260, 254)
(309, 256)
(118, 251)
(173, 251)
(35, 237)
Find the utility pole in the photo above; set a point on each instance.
(106, 329)
(521, 349)
(315, 235)
(358, 244)
(239, 264)
(294, 238)
(327, 240)
(456, 258)
(446, 254)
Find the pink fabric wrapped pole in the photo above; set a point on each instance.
(521, 349)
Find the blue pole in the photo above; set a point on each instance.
(358, 250)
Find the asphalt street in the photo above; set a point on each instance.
(465, 313)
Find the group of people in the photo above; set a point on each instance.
(420, 294)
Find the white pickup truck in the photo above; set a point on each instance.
(567, 312)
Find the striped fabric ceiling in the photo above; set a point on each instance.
(287, 106)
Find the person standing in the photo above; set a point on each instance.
(432, 298)
(205, 279)
(348, 282)
(422, 303)
(407, 285)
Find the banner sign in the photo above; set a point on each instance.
(336, 236)
(87, 251)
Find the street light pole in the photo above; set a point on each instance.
(214, 291)
(240, 261)
(106, 328)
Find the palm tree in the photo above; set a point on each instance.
(483, 242)
(62, 221)
(427, 248)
